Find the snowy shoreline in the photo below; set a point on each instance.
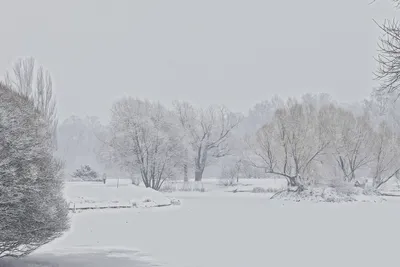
(90, 196)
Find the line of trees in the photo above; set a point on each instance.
(158, 144)
(306, 141)
(308, 145)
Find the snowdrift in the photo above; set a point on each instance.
(87, 195)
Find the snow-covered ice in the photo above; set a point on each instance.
(83, 257)
(232, 230)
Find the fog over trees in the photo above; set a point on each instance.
(305, 141)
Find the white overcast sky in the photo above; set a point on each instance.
(229, 52)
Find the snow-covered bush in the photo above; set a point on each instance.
(32, 208)
(315, 195)
(86, 173)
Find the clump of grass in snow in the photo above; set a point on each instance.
(266, 190)
(185, 187)
(167, 187)
(192, 189)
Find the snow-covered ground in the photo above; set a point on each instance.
(99, 195)
(221, 229)
(218, 228)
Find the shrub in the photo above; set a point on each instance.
(86, 173)
(32, 208)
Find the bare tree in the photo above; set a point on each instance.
(352, 141)
(207, 131)
(290, 144)
(143, 137)
(388, 72)
(386, 153)
(35, 83)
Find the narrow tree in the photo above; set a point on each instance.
(35, 83)
(207, 131)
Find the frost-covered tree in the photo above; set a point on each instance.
(208, 131)
(32, 208)
(291, 144)
(144, 137)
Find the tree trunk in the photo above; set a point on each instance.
(198, 175)
(294, 184)
(185, 173)
(352, 176)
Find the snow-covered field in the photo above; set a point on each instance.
(218, 229)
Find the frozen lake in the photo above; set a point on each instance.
(93, 258)
(235, 230)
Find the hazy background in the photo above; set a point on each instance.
(211, 51)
